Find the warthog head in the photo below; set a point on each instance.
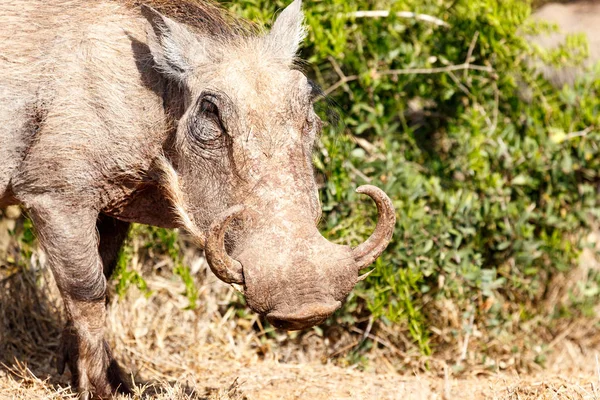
(243, 154)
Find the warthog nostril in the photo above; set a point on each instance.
(303, 318)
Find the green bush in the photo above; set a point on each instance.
(494, 173)
(493, 191)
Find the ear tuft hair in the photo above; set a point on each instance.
(288, 32)
(175, 49)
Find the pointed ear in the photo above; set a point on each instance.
(175, 49)
(288, 32)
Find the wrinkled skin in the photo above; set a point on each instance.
(112, 114)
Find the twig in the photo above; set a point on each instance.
(492, 124)
(561, 336)
(463, 354)
(357, 172)
(470, 52)
(384, 343)
(426, 71)
(460, 85)
(343, 78)
(343, 349)
(401, 14)
(496, 112)
(407, 71)
(364, 144)
(582, 133)
(368, 330)
(336, 67)
(341, 82)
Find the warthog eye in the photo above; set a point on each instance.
(208, 107)
(206, 126)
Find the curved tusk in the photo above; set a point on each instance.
(169, 181)
(222, 265)
(368, 252)
(238, 288)
(365, 276)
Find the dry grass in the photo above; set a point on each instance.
(213, 352)
(218, 351)
(173, 353)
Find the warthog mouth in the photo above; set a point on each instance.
(304, 318)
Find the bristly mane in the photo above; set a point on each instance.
(204, 16)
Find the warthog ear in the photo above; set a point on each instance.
(175, 49)
(288, 32)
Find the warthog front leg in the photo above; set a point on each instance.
(83, 349)
(70, 241)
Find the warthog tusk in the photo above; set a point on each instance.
(222, 265)
(372, 248)
(365, 276)
(238, 288)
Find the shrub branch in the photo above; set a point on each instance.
(401, 14)
(406, 71)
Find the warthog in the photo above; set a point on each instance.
(112, 113)
(576, 17)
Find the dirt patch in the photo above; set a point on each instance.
(269, 380)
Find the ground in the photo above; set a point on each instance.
(175, 356)
(227, 379)
(220, 351)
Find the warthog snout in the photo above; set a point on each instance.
(291, 273)
(307, 316)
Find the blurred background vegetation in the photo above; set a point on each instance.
(493, 172)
